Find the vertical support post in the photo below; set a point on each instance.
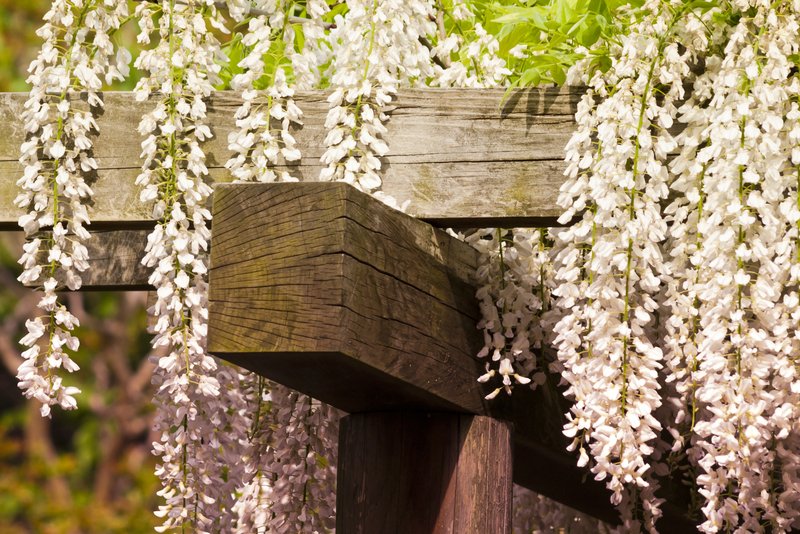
(423, 473)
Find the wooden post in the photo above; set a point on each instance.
(423, 473)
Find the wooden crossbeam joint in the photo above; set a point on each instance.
(326, 290)
(322, 288)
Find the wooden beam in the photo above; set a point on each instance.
(432, 473)
(460, 157)
(326, 290)
(115, 262)
(371, 307)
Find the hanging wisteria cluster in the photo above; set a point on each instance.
(77, 55)
(677, 285)
(674, 297)
(670, 298)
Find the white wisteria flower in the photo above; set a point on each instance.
(375, 47)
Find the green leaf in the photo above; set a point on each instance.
(590, 35)
(575, 28)
(559, 75)
(530, 77)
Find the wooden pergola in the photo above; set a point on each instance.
(328, 291)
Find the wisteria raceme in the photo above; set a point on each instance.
(515, 281)
(611, 268)
(259, 145)
(202, 413)
(308, 62)
(376, 46)
(681, 299)
(252, 509)
(477, 64)
(302, 463)
(680, 305)
(77, 56)
(741, 336)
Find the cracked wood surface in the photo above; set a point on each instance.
(115, 261)
(460, 157)
(342, 288)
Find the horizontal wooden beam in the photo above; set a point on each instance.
(324, 289)
(460, 157)
(115, 261)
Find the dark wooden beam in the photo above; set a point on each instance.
(460, 157)
(344, 295)
(422, 472)
(324, 289)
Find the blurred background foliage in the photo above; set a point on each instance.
(18, 41)
(90, 470)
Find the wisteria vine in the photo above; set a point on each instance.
(670, 298)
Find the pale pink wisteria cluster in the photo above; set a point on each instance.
(202, 415)
(375, 47)
(515, 276)
(263, 139)
(290, 463)
(77, 56)
(610, 265)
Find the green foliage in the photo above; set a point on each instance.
(551, 32)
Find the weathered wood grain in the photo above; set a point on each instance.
(459, 156)
(326, 290)
(367, 294)
(115, 261)
(433, 473)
